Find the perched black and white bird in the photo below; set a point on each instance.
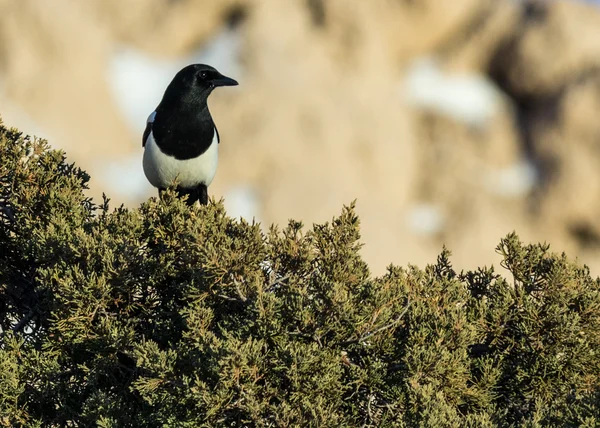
(181, 141)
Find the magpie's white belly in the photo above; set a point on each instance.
(162, 170)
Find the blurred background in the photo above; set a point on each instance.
(451, 122)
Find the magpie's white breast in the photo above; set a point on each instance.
(162, 170)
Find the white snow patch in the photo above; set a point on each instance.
(242, 201)
(222, 52)
(515, 180)
(469, 98)
(425, 219)
(125, 177)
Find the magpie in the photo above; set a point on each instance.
(181, 140)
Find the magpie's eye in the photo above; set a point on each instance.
(203, 75)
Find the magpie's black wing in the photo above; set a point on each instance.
(148, 129)
(218, 136)
(146, 133)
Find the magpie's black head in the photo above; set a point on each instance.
(195, 83)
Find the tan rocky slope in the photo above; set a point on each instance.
(450, 122)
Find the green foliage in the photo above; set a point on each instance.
(171, 316)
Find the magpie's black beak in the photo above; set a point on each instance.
(223, 81)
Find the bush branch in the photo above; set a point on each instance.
(371, 333)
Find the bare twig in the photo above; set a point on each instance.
(228, 298)
(378, 330)
(307, 336)
(93, 315)
(369, 421)
(243, 298)
(278, 281)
